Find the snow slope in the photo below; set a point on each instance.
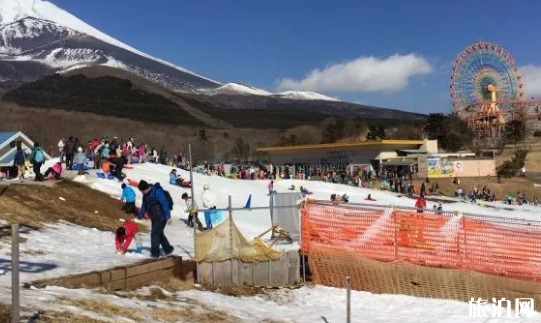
(14, 10)
(85, 249)
(241, 89)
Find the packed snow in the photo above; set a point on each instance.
(86, 249)
(14, 10)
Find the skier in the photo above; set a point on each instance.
(192, 212)
(209, 202)
(128, 197)
(36, 159)
(125, 234)
(155, 202)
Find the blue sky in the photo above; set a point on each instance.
(408, 45)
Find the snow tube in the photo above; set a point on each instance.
(132, 182)
(216, 217)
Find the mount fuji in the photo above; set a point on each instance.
(37, 38)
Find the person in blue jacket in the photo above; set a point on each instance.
(128, 197)
(156, 204)
(19, 161)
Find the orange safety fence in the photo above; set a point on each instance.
(491, 245)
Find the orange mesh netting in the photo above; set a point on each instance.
(490, 245)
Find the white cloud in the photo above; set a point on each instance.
(531, 76)
(364, 74)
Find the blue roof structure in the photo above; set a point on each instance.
(6, 135)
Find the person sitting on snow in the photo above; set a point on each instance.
(345, 198)
(370, 198)
(305, 191)
(174, 178)
(55, 171)
(125, 234)
(192, 212)
(128, 197)
(118, 163)
(80, 160)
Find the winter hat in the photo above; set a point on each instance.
(143, 185)
(184, 196)
(206, 186)
(123, 186)
(80, 149)
(36, 144)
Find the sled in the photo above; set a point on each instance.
(128, 166)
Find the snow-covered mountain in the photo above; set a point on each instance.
(242, 89)
(38, 38)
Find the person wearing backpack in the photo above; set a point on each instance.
(36, 159)
(157, 202)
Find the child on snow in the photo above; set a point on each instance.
(192, 212)
(80, 160)
(125, 234)
(128, 197)
(55, 171)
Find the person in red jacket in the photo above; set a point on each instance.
(420, 205)
(125, 234)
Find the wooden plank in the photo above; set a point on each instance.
(150, 267)
(117, 274)
(148, 278)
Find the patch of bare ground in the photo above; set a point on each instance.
(36, 206)
(102, 307)
(196, 313)
(5, 313)
(236, 291)
(66, 317)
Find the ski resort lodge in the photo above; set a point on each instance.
(418, 156)
(8, 147)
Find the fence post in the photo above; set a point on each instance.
(348, 299)
(393, 214)
(194, 205)
(230, 208)
(15, 307)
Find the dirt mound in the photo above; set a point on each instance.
(37, 205)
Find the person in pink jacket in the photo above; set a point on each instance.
(55, 171)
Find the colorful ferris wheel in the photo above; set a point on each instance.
(485, 84)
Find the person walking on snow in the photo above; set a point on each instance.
(69, 150)
(209, 202)
(125, 234)
(36, 159)
(156, 204)
(420, 204)
(19, 161)
(271, 188)
(128, 197)
(192, 212)
(80, 160)
(61, 149)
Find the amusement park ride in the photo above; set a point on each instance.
(487, 90)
